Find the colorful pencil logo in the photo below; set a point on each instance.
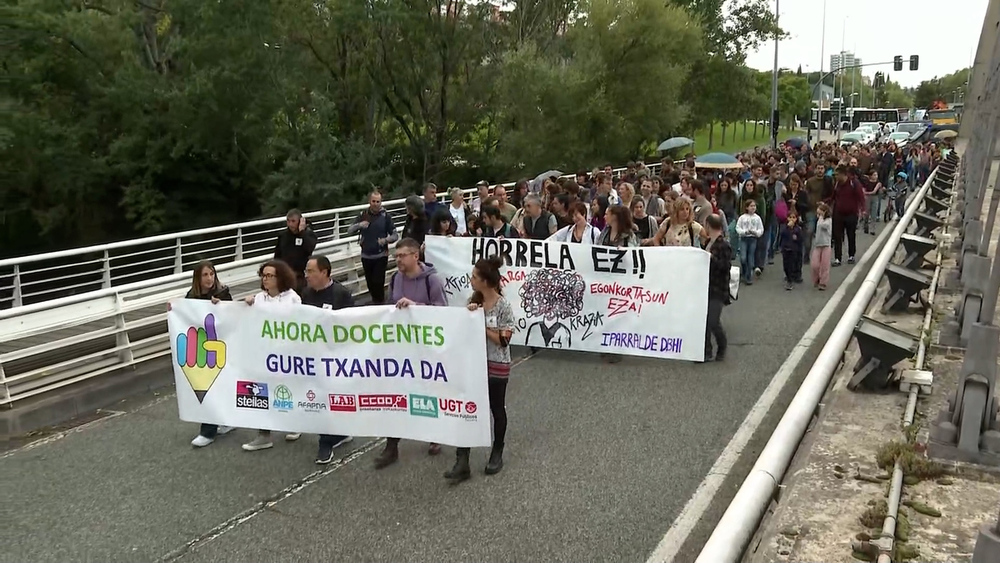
(201, 356)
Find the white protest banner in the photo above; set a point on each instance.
(417, 373)
(647, 301)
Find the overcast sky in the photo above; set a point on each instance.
(944, 34)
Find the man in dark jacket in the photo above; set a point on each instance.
(718, 287)
(325, 293)
(295, 244)
(376, 231)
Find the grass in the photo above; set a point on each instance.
(730, 146)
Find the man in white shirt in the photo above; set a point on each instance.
(458, 212)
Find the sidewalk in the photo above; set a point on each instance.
(836, 489)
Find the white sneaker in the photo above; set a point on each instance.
(224, 430)
(293, 436)
(258, 443)
(201, 441)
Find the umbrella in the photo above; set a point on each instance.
(537, 182)
(796, 143)
(945, 134)
(717, 160)
(674, 143)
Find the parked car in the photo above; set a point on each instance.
(855, 138)
(901, 138)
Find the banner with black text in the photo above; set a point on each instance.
(645, 301)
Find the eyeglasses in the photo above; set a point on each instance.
(267, 276)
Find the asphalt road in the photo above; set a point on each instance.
(600, 460)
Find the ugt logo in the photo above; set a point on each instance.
(201, 356)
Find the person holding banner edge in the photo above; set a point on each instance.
(718, 287)
(325, 293)
(277, 284)
(205, 285)
(414, 283)
(488, 296)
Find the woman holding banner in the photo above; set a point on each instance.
(619, 233)
(488, 296)
(276, 283)
(205, 285)
(580, 230)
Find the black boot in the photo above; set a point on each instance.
(389, 455)
(461, 471)
(495, 464)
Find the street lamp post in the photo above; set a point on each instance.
(774, 83)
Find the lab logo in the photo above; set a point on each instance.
(201, 356)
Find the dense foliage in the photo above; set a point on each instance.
(128, 117)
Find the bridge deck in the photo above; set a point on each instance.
(600, 460)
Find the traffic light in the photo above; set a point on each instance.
(914, 62)
(897, 63)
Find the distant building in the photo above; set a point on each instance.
(843, 59)
(822, 96)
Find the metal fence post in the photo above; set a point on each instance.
(106, 270)
(178, 257)
(18, 298)
(239, 244)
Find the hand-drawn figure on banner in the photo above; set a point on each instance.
(553, 295)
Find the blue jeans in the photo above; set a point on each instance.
(748, 257)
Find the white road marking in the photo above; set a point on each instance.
(666, 551)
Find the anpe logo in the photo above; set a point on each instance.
(283, 399)
(343, 403)
(382, 402)
(459, 409)
(423, 405)
(251, 395)
(310, 405)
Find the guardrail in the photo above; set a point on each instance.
(738, 525)
(52, 275)
(63, 341)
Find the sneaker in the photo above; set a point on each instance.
(835, 263)
(342, 441)
(757, 272)
(293, 436)
(822, 287)
(434, 449)
(850, 259)
(224, 430)
(324, 455)
(258, 443)
(788, 286)
(201, 441)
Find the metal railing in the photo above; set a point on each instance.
(67, 340)
(42, 277)
(738, 525)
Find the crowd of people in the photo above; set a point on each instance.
(798, 202)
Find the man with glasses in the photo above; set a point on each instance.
(413, 284)
(323, 292)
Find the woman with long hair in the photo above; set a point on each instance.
(205, 285)
(488, 296)
(680, 228)
(277, 290)
(620, 230)
(598, 211)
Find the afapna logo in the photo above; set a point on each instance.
(251, 395)
(310, 404)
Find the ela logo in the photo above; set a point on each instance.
(423, 405)
(251, 395)
(282, 399)
(201, 356)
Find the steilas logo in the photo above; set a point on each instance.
(382, 402)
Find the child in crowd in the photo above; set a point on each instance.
(791, 240)
(749, 228)
(821, 251)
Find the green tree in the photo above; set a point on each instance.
(948, 88)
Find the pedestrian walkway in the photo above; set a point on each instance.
(600, 461)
